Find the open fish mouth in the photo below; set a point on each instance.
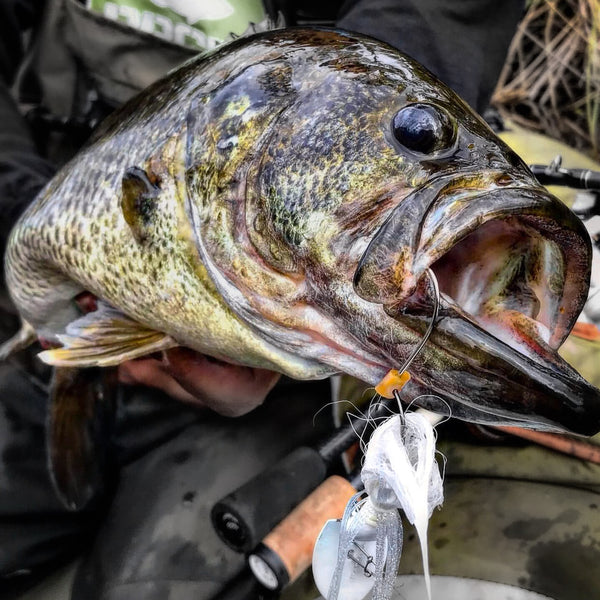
(512, 263)
(513, 282)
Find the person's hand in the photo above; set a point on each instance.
(194, 378)
(191, 377)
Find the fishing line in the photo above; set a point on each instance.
(436, 309)
(336, 403)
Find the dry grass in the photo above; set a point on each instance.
(551, 78)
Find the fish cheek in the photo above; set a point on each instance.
(269, 246)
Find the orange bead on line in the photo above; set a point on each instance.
(393, 381)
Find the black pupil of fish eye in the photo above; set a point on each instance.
(420, 128)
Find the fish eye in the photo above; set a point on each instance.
(423, 128)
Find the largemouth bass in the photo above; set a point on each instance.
(276, 204)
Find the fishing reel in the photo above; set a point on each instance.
(556, 174)
(587, 204)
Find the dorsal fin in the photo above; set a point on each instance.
(269, 23)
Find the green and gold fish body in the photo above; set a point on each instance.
(277, 203)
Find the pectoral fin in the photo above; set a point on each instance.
(78, 429)
(104, 338)
(138, 201)
(146, 190)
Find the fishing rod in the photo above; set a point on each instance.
(245, 516)
(276, 517)
(556, 174)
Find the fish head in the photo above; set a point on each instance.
(369, 172)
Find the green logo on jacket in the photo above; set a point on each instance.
(192, 23)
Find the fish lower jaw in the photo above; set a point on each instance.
(518, 331)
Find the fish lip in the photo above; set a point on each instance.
(495, 382)
(498, 384)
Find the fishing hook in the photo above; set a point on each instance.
(436, 309)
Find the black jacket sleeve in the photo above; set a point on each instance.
(23, 172)
(464, 43)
